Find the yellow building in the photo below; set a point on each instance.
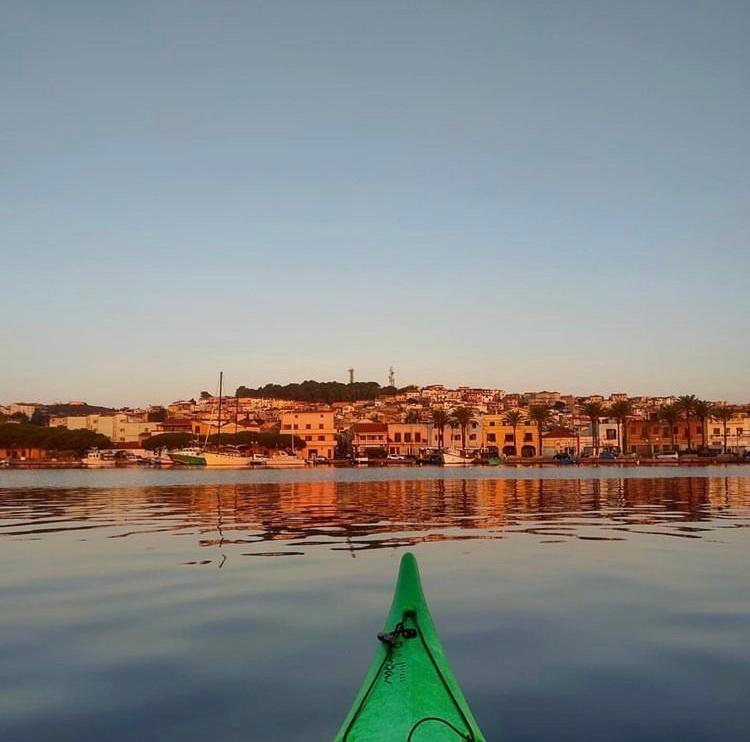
(498, 435)
(316, 427)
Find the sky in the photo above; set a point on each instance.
(525, 195)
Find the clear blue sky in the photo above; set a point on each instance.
(519, 194)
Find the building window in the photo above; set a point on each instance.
(397, 437)
(528, 437)
(320, 426)
(472, 436)
(611, 434)
(407, 437)
(321, 437)
(308, 426)
(417, 437)
(308, 437)
(717, 431)
(491, 437)
(509, 437)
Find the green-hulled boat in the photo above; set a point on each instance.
(410, 693)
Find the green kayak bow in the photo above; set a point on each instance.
(410, 693)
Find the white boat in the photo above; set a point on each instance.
(361, 461)
(285, 461)
(96, 459)
(258, 459)
(454, 457)
(161, 457)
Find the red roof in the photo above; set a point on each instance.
(370, 428)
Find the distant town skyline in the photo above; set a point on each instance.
(497, 194)
(231, 389)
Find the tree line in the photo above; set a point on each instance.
(244, 438)
(320, 391)
(24, 435)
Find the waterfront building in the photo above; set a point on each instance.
(316, 427)
(369, 435)
(408, 439)
(560, 440)
(123, 429)
(738, 433)
(650, 436)
(499, 437)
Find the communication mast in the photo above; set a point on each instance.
(391, 377)
(351, 375)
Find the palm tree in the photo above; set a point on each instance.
(724, 414)
(621, 410)
(540, 415)
(670, 414)
(686, 406)
(462, 417)
(513, 418)
(440, 420)
(702, 410)
(594, 411)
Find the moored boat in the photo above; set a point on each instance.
(410, 692)
(454, 457)
(96, 459)
(226, 458)
(285, 461)
(188, 456)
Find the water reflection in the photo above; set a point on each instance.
(292, 518)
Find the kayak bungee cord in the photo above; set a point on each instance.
(468, 737)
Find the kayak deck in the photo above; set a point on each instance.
(410, 693)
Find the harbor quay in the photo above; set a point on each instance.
(364, 424)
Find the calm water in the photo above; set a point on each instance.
(179, 607)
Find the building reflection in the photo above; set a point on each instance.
(366, 515)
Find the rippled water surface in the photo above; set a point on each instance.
(571, 609)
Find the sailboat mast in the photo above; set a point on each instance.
(218, 421)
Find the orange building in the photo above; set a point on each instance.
(648, 437)
(407, 439)
(317, 428)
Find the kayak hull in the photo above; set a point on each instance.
(410, 692)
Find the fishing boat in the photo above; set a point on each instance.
(96, 459)
(454, 457)
(188, 456)
(410, 692)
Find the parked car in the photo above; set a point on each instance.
(607, 456)
(668, 456)
(565, 459)
(709, 452)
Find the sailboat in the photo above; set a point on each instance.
(227, 457)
